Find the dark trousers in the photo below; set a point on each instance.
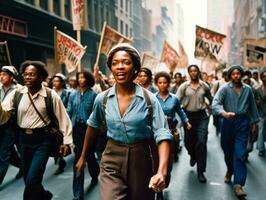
(126, 171)
(8, 153)
(35, 150)
(196, 138)
(79, 131)
(234, 139)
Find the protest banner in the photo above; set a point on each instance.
(255, 52)
(4, 54)
(67, 50)
(79, 14)
(169, 56)
(149, 62)
(208, 45)
(109, 38)
(183, 58)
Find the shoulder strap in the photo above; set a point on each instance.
(104, 102)
(149, 105)
(49, 106)
(40, 115)
(17, 99)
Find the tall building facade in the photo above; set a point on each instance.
(250, 22)
(27, 26)
(219, 19)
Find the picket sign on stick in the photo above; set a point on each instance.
(100, 44)
(67, 50)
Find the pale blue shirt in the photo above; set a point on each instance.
(134, 126)
(227, 100)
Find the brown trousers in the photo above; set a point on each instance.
(126, 171)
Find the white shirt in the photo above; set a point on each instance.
(27, 117)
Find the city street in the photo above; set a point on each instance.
(184, 184)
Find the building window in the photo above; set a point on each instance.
(57, 7)
(29, 1)
(121, 27)
(126, 30)
(96, 17)
(121, 4)
(67, 9)
(126, 5)
(44, 4)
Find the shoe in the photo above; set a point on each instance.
(228, 177)
(94, 181)
(202, 178)
(192, 162)
(261, 153)
(19, 174)
(238, 190)
(159, 196)
(47, 195)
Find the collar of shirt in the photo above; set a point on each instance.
(41, 92)
(139, 92)
(169, 95)
(242, 85)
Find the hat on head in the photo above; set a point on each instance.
(11, 70)
(233, 67)
(132, 51)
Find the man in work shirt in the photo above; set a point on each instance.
(192, 95)
(236, 104)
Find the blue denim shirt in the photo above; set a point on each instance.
(171, 106)
(134, 126)
(80, 105)
(227, 100)
(65, 96)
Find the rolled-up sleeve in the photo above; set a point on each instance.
(217, 103)
(97, 117)
(159, 124)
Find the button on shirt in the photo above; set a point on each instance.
(193, 100)
(134, 125)
(27, 116)
(80, 105)
(227, 100)
(171, 106)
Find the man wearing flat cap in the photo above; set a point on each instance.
(8, 153)
(236, 104)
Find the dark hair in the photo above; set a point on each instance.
(262, 72)
(162, 74)
(178, 74)
(89, 78)
(63, 82)
(132, 53)
(40, 66)
(193, 65)
(146, 71)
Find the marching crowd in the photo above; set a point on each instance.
(127, 128)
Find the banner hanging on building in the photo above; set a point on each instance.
(67, 50)
(183, 58)
(169, 56)
(255, 52)
(149, 62)
(208, 45)
(4, 54)
(79, 14)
